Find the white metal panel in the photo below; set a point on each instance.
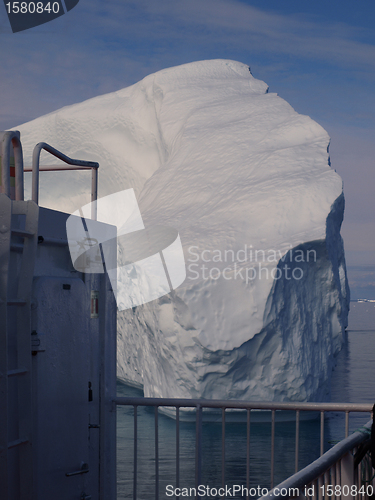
(61, 376)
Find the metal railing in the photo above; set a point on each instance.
(74, 165)
(337, 473)
(250, 408)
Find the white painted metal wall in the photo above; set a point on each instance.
(57, 363)
(73, 373)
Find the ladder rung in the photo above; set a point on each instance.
(23, 233)
(17, 442)
(17, 371)
(16, 302)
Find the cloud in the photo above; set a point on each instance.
(101, 46)
(217, 21)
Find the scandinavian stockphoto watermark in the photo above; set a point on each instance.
(248, 263)
(143, 264)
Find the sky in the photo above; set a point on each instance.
(319, 56)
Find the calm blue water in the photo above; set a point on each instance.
(353, 381)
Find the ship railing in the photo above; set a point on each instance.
(11, 140)
(340, 473)
(173, 406)
(70, 164)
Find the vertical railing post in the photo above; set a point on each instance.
(156, 453)
(94, 193)
(297, 442)
(321, 433)
(135, 454)
(272, 448)
(198, 447)
(35, 173)
(334, 474)
(223, 447)
(177, 447)
(347, 473)
(326, 479)
(320, 483)
(248, 451)
(346, 424)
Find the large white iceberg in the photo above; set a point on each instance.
(246, 181)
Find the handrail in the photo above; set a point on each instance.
(14, 138)
(81, 164)
(234, 404)
(321, 465)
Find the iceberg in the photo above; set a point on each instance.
(247, 183)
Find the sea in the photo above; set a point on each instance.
(353, 381)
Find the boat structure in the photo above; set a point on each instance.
(57, 349)
(58, 369)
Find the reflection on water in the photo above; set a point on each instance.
(352, 382)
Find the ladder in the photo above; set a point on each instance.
(18, 243)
